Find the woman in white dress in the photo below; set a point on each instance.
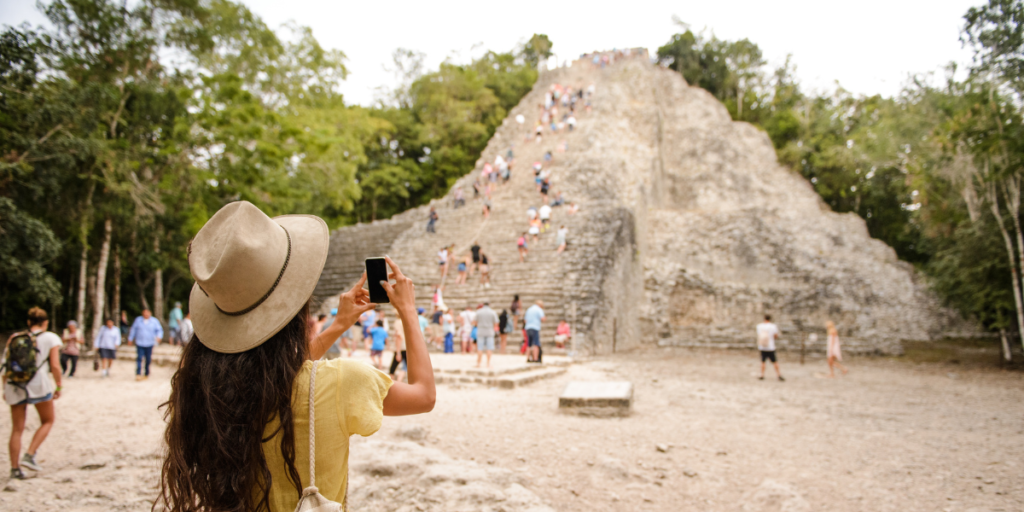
(835, 355)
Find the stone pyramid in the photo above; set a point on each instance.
(689, 231)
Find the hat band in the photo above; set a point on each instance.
(266, 296)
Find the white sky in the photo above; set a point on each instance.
(869, 46)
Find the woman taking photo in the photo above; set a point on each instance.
(244, 397)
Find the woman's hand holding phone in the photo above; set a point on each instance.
(352, 304)
(402, 293)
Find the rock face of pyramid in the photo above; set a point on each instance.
(689, 231)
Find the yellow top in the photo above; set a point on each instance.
(349, 399)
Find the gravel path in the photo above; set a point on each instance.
(890, 436)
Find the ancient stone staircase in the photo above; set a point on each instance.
(540, 277)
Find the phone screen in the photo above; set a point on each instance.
(377, 271)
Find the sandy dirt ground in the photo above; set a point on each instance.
(889, 436)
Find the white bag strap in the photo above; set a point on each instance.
(317, 502)
(312, 433)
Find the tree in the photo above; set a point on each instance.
(109, 152)
(536, 49)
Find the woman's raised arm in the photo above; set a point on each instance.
(419, 394)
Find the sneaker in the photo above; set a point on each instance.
(761, 377)
(29, 461)
(781, 379)
(138, 378)
(16, 474)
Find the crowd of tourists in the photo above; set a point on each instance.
(601, 60)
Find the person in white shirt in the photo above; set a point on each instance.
(545, 217)
(448, 325)
(186, 329)
(467, 317)
(834, 353)
(106, 342)
(40, 391)
(767, 333)
(442, 261)
(560, 238)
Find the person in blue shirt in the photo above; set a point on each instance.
(174, 324)
(424, 323)
(146, 332)
(534, 317)
(380, 338)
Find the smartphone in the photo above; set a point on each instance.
(377, 271)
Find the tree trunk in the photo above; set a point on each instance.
(739, 101)
(142, 288)
(1011, 192)
(1006, 346)
(169, 287)
(83, 271)
(101, 281)
(993, 198)
(83, 267)
(158, 285)
(115, 299)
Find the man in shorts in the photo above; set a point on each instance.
(767, 333)
(485, 321)
(534, 317)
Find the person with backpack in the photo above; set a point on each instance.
(255, 421)
(31, 362)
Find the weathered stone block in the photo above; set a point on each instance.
(597, 398)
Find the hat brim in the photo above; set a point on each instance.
(232, 334)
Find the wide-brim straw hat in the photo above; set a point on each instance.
(253, 274)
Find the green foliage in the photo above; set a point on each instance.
(94, 125)
(436, 133)
(970, 269)
(27, 245)
(916, 166)
(537, 49)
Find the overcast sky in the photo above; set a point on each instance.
(869, 47)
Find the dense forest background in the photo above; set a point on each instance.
(122, 129)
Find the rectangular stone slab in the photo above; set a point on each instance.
(597, 398)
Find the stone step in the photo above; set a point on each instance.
(504, 371)
(508, 381)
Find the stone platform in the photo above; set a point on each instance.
(506, 372)
(597, 398)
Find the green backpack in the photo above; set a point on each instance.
(20, 361)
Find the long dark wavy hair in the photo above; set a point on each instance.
(220, 405)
